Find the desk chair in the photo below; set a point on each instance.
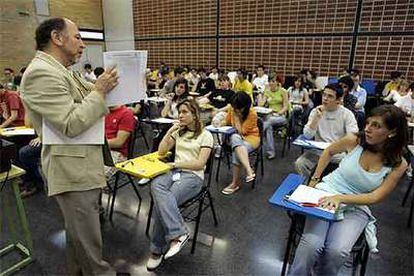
(287, 132)
(189, 207)
(359, 252)
(257, 153)
(407, 194)
(114, 189)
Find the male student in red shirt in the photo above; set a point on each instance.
(11, 108)
(119, 125)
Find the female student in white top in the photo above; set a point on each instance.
(181, 92)
(395, 95)
(365, 176)
(193, 145)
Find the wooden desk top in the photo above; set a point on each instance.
(13, 173)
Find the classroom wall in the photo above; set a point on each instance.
(18, 22)
(286, 35)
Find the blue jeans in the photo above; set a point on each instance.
(237, 141)
(29, 158)
(268, 125)
(327, 243)
(168, 194)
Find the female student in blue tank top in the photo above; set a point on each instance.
(366, 175)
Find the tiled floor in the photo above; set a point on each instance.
(249, 240)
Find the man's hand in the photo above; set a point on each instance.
(35, 142)
(107, 81)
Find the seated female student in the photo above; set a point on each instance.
(395, 95)
(193, 145)
(170, 110)
(276, 98)
(298, 97)
(247, 138)
(180, 92)
(365, 176)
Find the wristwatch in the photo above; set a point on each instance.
(315, 178)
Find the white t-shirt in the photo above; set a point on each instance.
(213, 76)
(261, 82)
(332, 126)
(188, 149)
(405, 103)
(90, 76)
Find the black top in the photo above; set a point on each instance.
(205, 86)
(219, 98)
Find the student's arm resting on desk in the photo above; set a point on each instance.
(47, 94)
(13, 116)
(345, 144)
(373, 197)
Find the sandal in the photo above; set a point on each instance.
(250, 178)
(229, 190)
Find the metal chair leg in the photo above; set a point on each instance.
(149, 217)
(364, 261)
(213, 211)
(131, 180)
(292, 231)
(200, 210)
(410, 218)
(407, 193)
(114, 196)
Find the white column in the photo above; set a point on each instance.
(118, 25)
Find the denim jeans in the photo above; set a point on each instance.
(29, 158)
(236, 141)
(268, 125)
(327, 243)
(168, 194)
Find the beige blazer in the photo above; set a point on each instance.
(62, 98)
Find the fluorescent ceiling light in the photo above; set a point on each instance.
(91, 35)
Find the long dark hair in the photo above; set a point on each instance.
(195, 111)
(242, 101)
(394, 119)
(186, 92)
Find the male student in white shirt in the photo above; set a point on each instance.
(261, 80)
(328, 122)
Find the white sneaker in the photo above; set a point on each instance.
(143, 181)
(174, 249)
(154, 262)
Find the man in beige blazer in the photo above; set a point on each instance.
(53, 93)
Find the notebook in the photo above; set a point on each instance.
(308, 197)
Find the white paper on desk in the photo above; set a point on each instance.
(306, 194)
(164, 121)
(93, 136)
(311, 144)
(131, 66)
(263, 110)
(219, 129)
(17, 132)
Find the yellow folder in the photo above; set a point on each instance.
(146, 166)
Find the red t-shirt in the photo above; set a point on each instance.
(10, 100)
(121, 118)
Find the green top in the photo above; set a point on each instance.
(275, 98)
